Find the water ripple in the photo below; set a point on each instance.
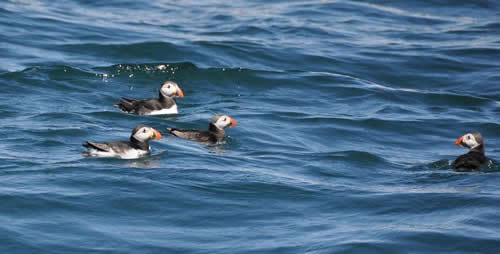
(347, 117)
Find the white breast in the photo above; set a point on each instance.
(129, 154)
(133, 154)
(98, 153)
(166, 111)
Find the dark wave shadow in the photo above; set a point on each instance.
(445, 165)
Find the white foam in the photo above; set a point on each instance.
(373, 85)
(367, 83)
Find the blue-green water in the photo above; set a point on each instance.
(347, 116)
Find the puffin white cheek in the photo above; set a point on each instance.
(471, 142)
(221, 124)
(141, 135)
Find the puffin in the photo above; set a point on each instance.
(472, 160)
(164, 105)
(213, 136)
(136, 147)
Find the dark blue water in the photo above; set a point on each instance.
(347, 116)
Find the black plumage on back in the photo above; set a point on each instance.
(213, 136)
(470, 161)
(138, 144)
(144, 107)
(164, 104)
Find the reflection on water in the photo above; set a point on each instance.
(218, 149)
(147, 162)
(491, 166)
(172, 118)
(440, 164)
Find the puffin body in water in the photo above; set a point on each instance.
(136, 147)
(165, 104)
(472, 160)
(213, 136)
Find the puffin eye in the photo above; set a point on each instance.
(144, 130)
(168, 86)
(468, 137)
(225, 119)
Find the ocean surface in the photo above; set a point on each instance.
(347, 114)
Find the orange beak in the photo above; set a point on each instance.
(233, 122)
(156, 134)
(459, 141)
(180, 94)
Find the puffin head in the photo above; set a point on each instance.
(223, 121)
(170, 88)
(470, 140)
(144, 133)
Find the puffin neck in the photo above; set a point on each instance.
(479, 149)
(135, 143)
(164, 98)
(213, 128)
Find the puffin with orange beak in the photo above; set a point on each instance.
(472, 160)
(136, 147)
(164, 105)
(213, 136)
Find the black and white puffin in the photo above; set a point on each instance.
(213, 136)
(136, 147)
(472, 160)
(166, 104)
